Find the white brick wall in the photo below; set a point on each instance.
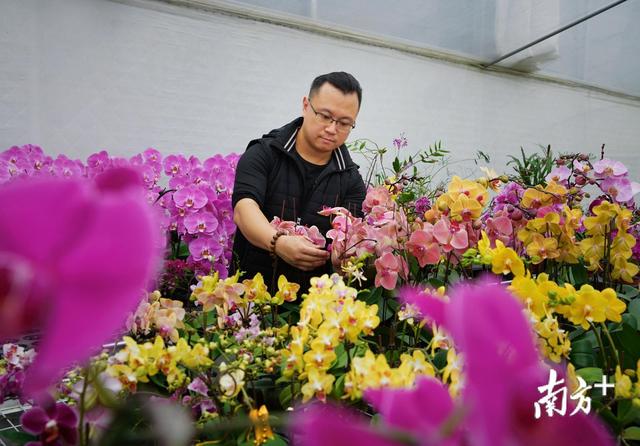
(77, 76)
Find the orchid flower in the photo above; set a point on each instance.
(75, 257)
(502, 374)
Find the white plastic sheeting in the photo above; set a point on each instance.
(79, 76)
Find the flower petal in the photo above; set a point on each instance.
(34, 420)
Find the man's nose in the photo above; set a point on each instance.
(333, 127)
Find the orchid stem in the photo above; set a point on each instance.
(81, 427)
(613, 346)
(605, 359)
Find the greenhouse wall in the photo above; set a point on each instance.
(80, 76)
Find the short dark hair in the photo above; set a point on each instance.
(344, 82)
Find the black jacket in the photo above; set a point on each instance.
(270, 173)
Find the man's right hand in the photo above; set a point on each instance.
(300, 252)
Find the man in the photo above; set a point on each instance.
(292, 173)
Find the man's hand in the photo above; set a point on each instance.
(300, 252)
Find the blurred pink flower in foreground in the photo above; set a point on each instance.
(75, 256)
(502, 374)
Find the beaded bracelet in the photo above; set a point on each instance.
(276, 236)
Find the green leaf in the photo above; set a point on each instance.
(583, 353)
(634, 308)
(371, 296)
(338, 387)
(630, 320)
(590, 374)
(341, 357)
(629, 292)
(628, 341)
(627, 412)
(277, 440)
(631, 433)
(15, 437)
(579, 274)
(396, 165)
(286, 396)
(183, 251)
(440, 359)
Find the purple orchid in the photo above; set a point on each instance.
(175, 165)
(203, 247)
(200, 223)
(74, 258)
(67, 168)
(190, 198)
(422, 205)
(53, 423)
(606, 168)
(400, 142)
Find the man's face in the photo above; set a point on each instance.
(323, 137)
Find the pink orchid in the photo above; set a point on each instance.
(314, 235)
(338, 210)
(74, 258)
(290, 228)
(283, 225)
(424, 247)
(340, 228)
(388, 268)
(606, 168)
(500, 224)
(582, 167)
(559, 174)
(620, 188)
(451, 235)
(376, 196)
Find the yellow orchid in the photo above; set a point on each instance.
(327, 337)
(417, 361)
(554, 341)
(506, 260)
(319, 385)
(528, 291)
(484, 249)
(287, 291)
(256, 290)
(318, 358)
(614, 306)
(557, 191)
(624, 387)
(465, 209)
(549, 224)
(593, 250)
(624, 270)
(541, 248)
(597, 224)
(589, 306)
(534, 198)
(453, 372)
